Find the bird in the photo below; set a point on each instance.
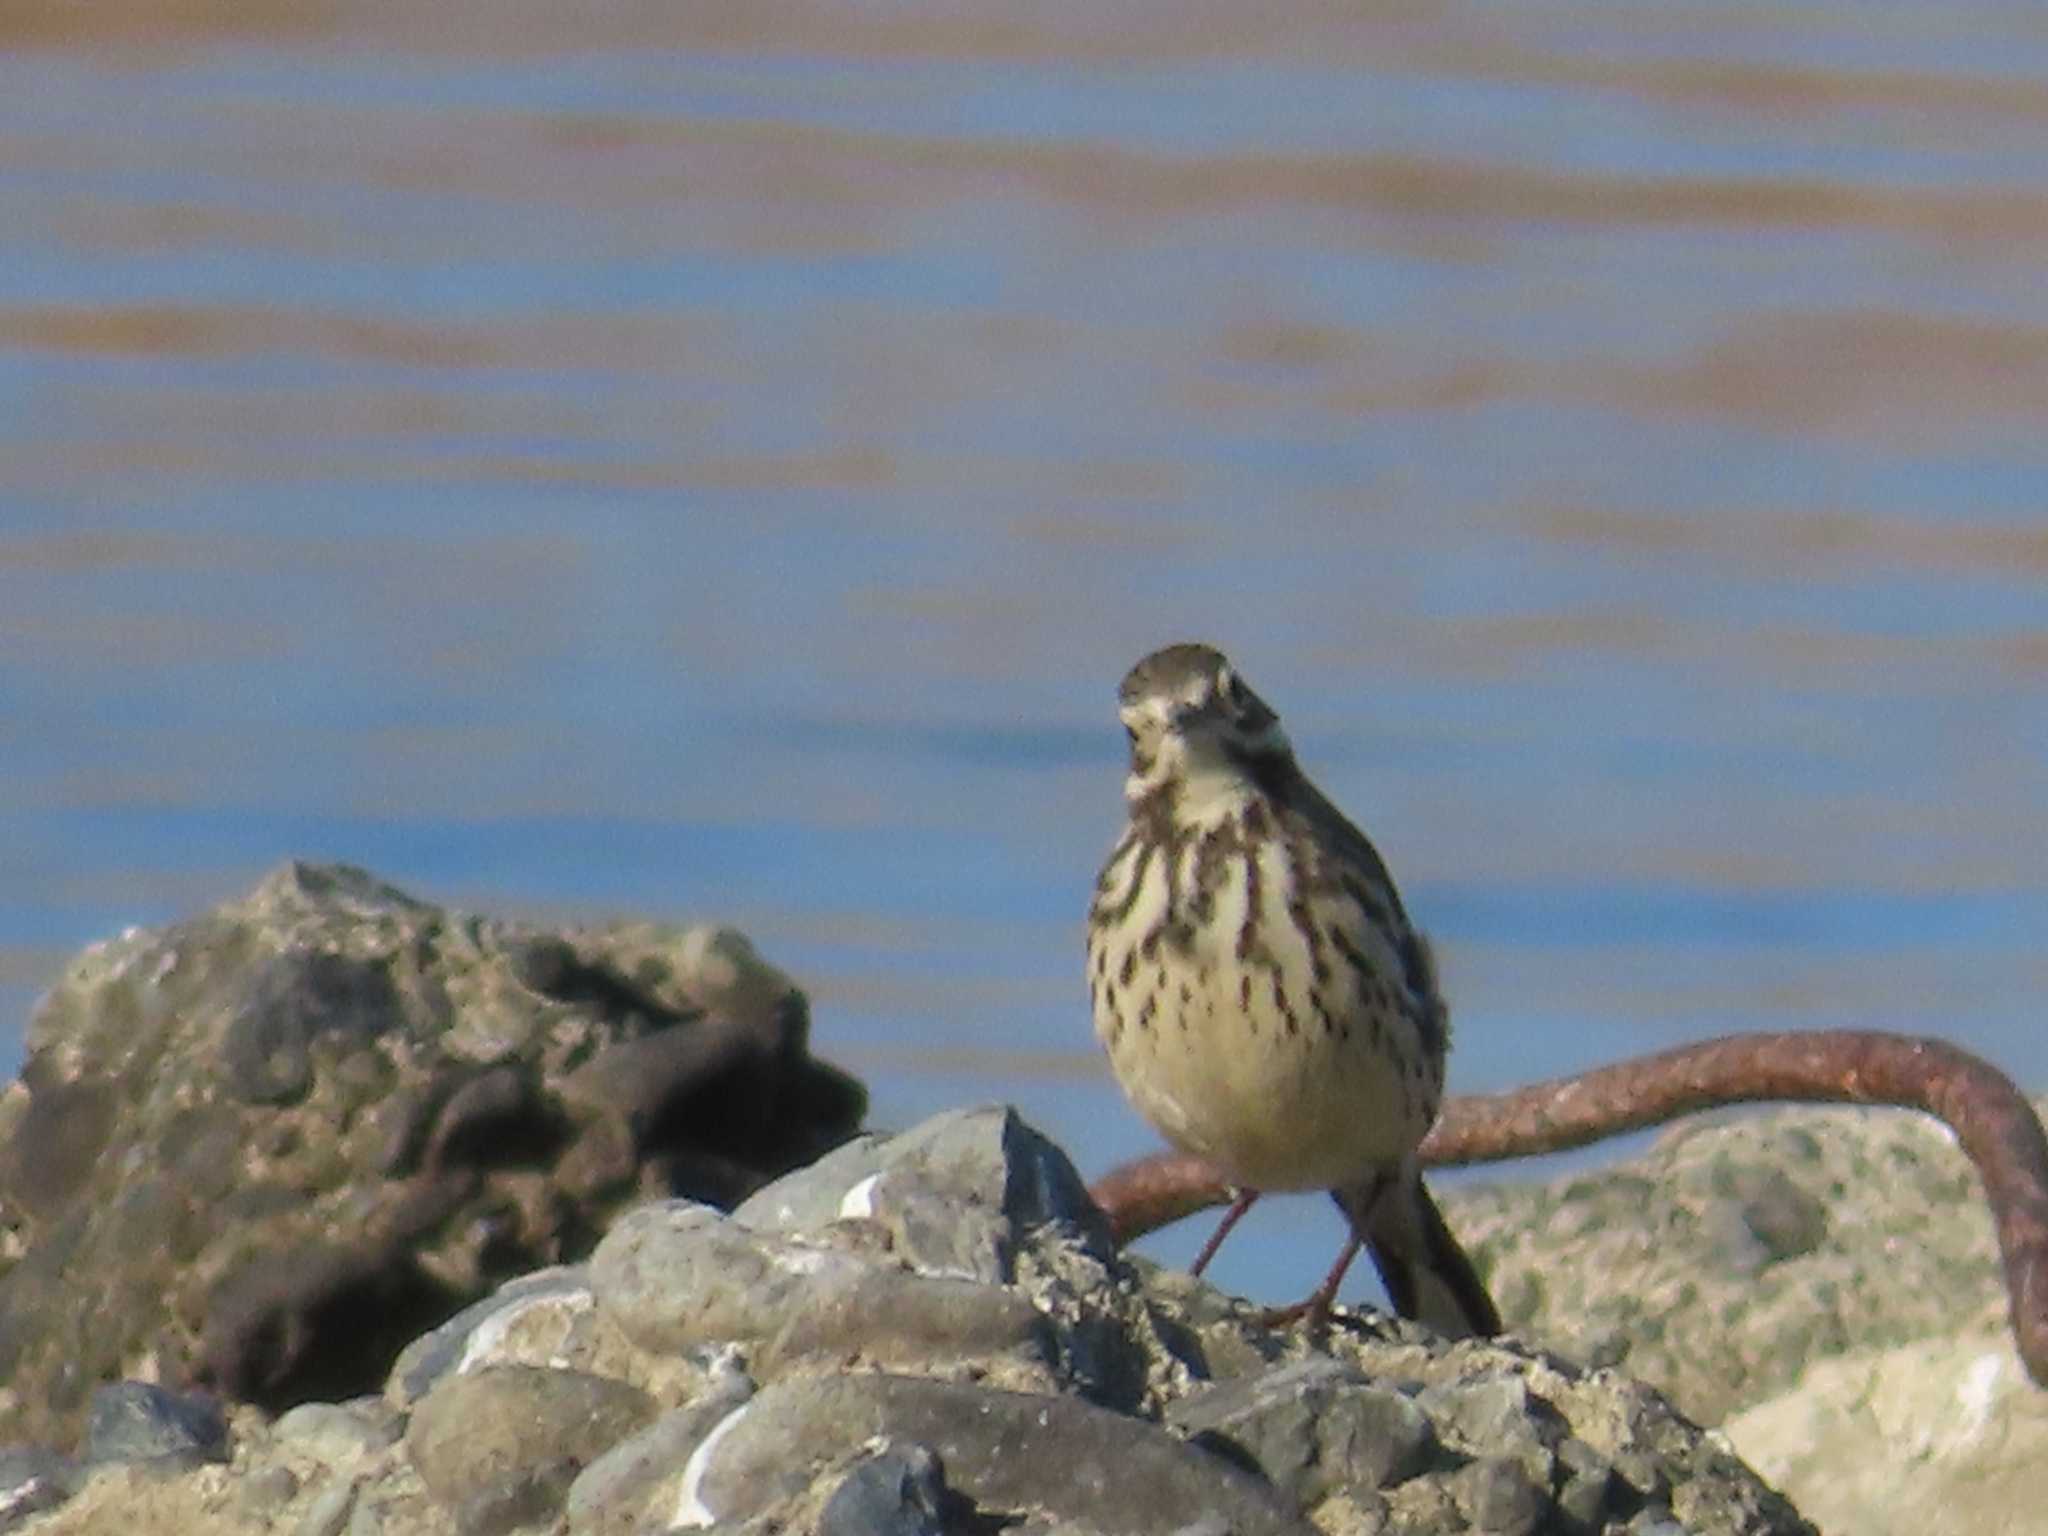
(1263, 998)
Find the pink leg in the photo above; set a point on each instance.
(1246, 1199)
(1317, 1308)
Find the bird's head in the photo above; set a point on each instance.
(1196, 728)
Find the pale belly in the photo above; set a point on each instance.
(1271, 1112)
(1231, 1060)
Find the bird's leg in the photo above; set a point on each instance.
(1317, 1308)
(1246, 1199)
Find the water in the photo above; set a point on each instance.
(717, 460)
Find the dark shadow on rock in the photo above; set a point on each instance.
(262, 1148)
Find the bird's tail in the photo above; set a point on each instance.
(1427, 1275)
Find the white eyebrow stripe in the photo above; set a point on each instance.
(1150, 709)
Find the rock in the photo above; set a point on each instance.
(676, 1275)
(971, 1200)
(338, 1432)
(839, 1373)
(638, 1484)
(535, 1318)
(263, 1148)
(1941, 1437)
(137, 1421)
(808, 1198)
(865, 1312)
(1824, 1282)
(1498, 1413)
(1498, 1495)
(551, 1319)
(955, 1195)
(893, 1493)
(268, 1489)
(500, 1447)
(33, 1479)
(1012, 1454)
(1312, 1428)
(1742, 1250)
(328, 1513)
(1585, 1484)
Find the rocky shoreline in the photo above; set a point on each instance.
(1823, 1285)
(923, 1334)
(651, 1280)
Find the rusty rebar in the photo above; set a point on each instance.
(1991, 1118)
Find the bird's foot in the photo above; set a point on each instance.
(1315, 1311)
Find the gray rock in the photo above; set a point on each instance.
(1585, 1481)
(541, 1409)
(1011, 1453)
(552, 1321)
(1312, 1427)
(675, 1275)
(499, 1448)
(1497, 1413)
(815, 1195)
(266, 1490)
(33, 1479)
(1742, 1249)
(327, 1513)
(886, 1317)
(1498, 1496)
(955, 1194)
(636, 1485)
(139, 1421)
(1425, 1506)
(264, 1148)
(895, 1493)
(1941, 1437)
(984, 1162)
(337, 1433)
(472, 1337)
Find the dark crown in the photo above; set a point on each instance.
(1171, 669)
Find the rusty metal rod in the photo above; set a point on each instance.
(1991, 1118)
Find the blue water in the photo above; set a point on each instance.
(715, 465)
